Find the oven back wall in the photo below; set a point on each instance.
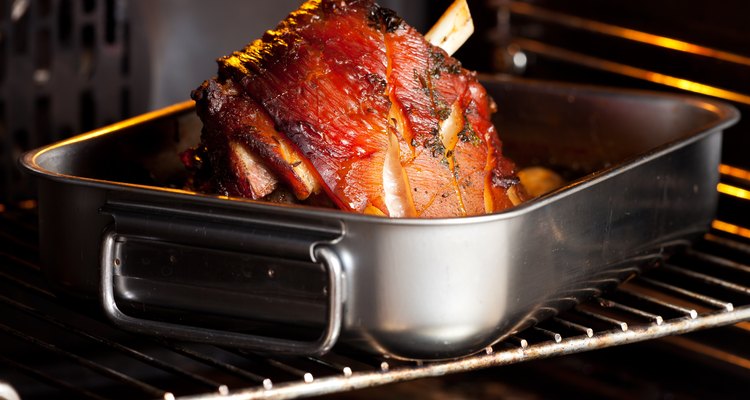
(679, 46)
(69, 66)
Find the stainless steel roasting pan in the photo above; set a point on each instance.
(114, 224)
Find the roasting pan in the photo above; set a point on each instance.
(115, 224)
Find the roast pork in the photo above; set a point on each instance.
(344, 104)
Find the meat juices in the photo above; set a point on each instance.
(345, 104)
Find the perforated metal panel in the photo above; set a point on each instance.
(66, 66)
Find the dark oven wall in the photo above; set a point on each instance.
(70, 66)
(690, 47)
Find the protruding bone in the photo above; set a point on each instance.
(453, 28)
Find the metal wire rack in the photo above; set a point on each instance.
(69, 349)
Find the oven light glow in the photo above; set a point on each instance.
(692, 86)
(519, 60)
(27, 204)
(733, 191)
(730, 228)
(734, 172)
(533, 46)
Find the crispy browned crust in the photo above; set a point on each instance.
(346, 86)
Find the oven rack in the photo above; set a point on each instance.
(68, 348)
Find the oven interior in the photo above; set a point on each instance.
(677, 331)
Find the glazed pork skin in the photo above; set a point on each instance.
(346, 101)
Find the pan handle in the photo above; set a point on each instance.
(322, 254)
